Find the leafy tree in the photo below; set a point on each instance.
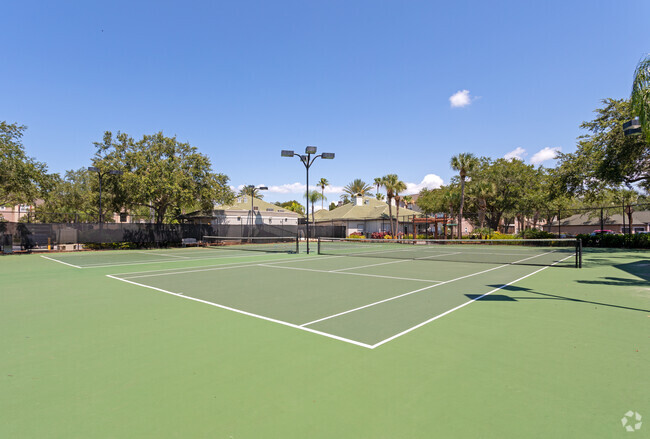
(323, 183)
(333, 206)
(464, 163)
(393, 186)
(640, 98)
(73, 199)
(606, 157)
(161, 173)
(292, 205)
(22, 179)
(345, 198)
(357, 187)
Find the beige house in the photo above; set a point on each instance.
(239, 214)
(584, 223)
(366, 215)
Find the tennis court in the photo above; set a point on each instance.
(365, 339)
(364, 292)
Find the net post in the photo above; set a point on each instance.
(297, 244)
(579, 253)
(318, 246)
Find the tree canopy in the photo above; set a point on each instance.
(162, 174)
(605, 157)
(22, 178)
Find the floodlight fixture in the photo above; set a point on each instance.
(632, 127)
(93, 169)
(307, 160)
(263, 188)
(115, 172)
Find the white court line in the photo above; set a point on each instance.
(210, 268)
(163, 254)
(464, 304)
(291, 325)
(413, 292)
(366, 266)
(61, 262)
(158, 261)
(351, 274)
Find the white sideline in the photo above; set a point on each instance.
(417, 291)
(291, 325)
(163, 254)
(463, 304)
(61, 262)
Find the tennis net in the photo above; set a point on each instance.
(289, 244)
(543, 252)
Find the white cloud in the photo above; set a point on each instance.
(517, 153)
(460, 99)
(299, 188)
(544, 155)
(430, 181)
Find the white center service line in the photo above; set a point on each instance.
(464, 304)
(417, 291)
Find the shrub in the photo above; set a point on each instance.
(638, 240)
(535, 234)
(356, 236)
(378, 235)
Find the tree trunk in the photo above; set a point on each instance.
(390, 214)
(460, 211)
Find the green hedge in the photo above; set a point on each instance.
(638, 240)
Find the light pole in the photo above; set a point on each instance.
(252, 190)
(308, 160)
(101, 174)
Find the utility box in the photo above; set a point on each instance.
(7, 244)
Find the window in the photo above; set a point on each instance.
(269, 210)
(639, 229)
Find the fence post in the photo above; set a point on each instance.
(602, 221)
(559, 222)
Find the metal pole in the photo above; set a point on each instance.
(100, 196)
(602, 221)
(559, 223)
(307, 164)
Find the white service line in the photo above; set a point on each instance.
(366, 266)
(351, 274)
(462, 305)
(325, 334)
(61, 262)
(413, 292)
(210, 268)
(163, 254)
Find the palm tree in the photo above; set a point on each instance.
(640, 98)
(380, 196)
(408, 199)
(357, 187)
(393, 187)
(378, 184)
(464, 163)
(323, 183)
(250, 191)
(313, 197)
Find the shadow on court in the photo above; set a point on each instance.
(543, 296)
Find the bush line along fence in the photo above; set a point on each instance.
(136, 235)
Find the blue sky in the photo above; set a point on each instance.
(373, 81)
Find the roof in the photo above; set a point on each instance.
(593, 219)
(243, 205)
(371, 209)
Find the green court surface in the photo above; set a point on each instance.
(227, 343)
